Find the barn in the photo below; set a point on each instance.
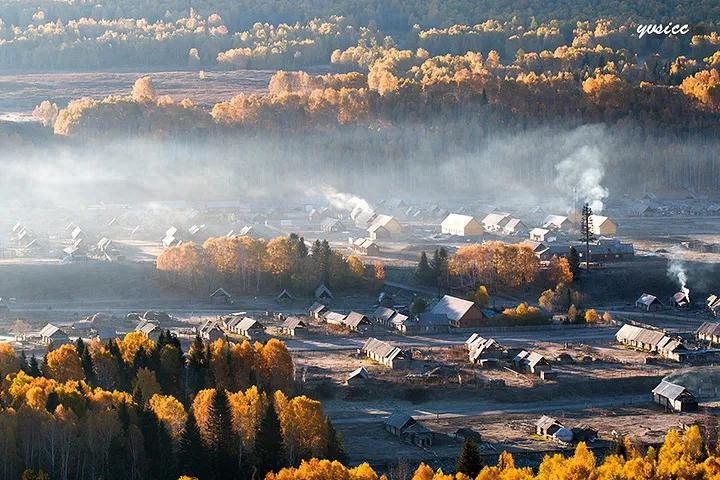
(674, 397)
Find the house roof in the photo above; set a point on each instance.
(331, 222)
(323, 290)
(249, 323)
(546, 422)
(293, 322)
(317, 308)
(539, 232)
(358, 373)
(398, 319)
(711, 329)
(384, 220)
(146, 328)
(49, 330)
(598, 220)
(641, 335)
(335, 317)
(210, 324)
(233, 322)
(535, 359)
(456, 221)
(220, 292)
(671, 391)
(555, 221)
(380, 348)
(452, 307)
(383, 313)
(399, 421)
(430, 318)
(514, 224)
(285, 294)
(353, 319)
(496, 219)
(647, 299)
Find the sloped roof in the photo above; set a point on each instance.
(456, 221)
(495, 219)
(358, 373)
(248, 323)
(711, 329)
(331, 222)
(555, 221)
(647, 299)
(669, 390)
(293, 322)
(546, 422)
(335, 317)
(535, 359)
(452, 307)
(146, 328)
(514, 224)
(322, 289)
(398, 319)
(642, 335)
(220, 292)
(353, 319)
(316, 308)
(380, 348)
(399, 420)
(49, 330)
(383, 313)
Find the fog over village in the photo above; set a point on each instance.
(361, 240)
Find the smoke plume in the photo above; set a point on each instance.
(676, 271)
(581, 174)
(345, 201)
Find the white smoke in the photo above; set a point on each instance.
(345, 201)
(580, 175)
(676, 271)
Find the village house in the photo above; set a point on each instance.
(221, 297)
(385, 353)
(331, 225)
(426, 322)
(334, 318)
(648, 302)
(541, 235)
(51, 334)
(251, 329)
(558, 223)
(484, 349)
(409, 430)
(365, 246)
(317, 310)
(388, 223)
(495, 222)
(709, 332)
(149, 329)
(674, 397)
(602, 226)
(210, 331)
(358, 322)
(681, 299)
(461, 226)
(514, 226)
(294, 326)
(284, 296)
(363, 218)
(713, 305)
(531, 362)
(460, 313)
(382, 315)
(357, 377)
(322, 293)
(549, 427)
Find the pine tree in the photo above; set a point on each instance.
(197, 366)
(192, 456)
(88, 367)
(222, 443)
(53, 400)
(469, 461)
(417, 306)
(424, 275)
(587, 232)
(269, 443)
(33, 367)
(335, 450)
(439, 266)
(158, 447)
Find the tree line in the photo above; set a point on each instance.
(244, 264)
(134, 408)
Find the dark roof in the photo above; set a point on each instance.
(399, 420)
(383, 313)
(711, 329)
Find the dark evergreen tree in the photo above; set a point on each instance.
(158, 447)
(469, 461)
(80, 346)
(586, 228)
(439, 266)
(335, 450)
(192, 456)
(33, 367)
(424, 275)
(53, 400)
(24, 362)
(222, 444)
(88, 367)
(418, 306)
(197, 367)
(269, 448)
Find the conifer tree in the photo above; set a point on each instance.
(192, 456)
(469, 461)
(269, 448)
(424, 275)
